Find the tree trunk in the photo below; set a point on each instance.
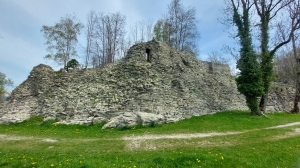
(297, 94)
(253, 105)
(263, 103)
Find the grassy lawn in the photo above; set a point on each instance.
(35, 143)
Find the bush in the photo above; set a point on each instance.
(73, 63)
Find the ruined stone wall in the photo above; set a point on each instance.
(167, 87)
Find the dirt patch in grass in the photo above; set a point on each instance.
(285, 125)
(178, 136)
(295, 132)
(4, 137)
(148, 142)
(151, 142)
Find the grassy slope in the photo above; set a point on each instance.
(90, 146)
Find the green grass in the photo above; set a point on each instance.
(24, 145)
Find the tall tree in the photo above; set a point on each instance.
(105, 37)
(114, 33)
(285, 66)
(249, 80)
(267, 11)
(90, 36)
(294, 14)
(62, 39)
(217, 58)
(4, 82)
(157, 30)
(141, 31)
(178, 28)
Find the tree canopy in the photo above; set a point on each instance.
(249, 80)
(62, 39)
(4, 82)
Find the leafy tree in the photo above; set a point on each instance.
(73, 63)
(62, 39)
(158, 33)
(249, 81)
(3, 83)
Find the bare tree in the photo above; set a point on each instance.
(178, 28)
(90, 35)
(268, 10)
(149, 28)
(107, 37)
(141, 31)
(217, 58)
(142, 26)
(134, 33)
(294, 14)
(285, 66)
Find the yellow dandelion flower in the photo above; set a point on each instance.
(52, 165)
(222, 158)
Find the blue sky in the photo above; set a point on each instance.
(22, 44)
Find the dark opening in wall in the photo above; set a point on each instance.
(148, 57)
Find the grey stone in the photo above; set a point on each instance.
(171, 87)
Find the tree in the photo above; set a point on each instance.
(4, 82)
(294, 13)
(249, 80)
(107, 38)
(141, 31)
(62, 39)
(285, 66)
(178, 28)
(157, 30)
(217, 58)
(73, 63)
(90, 36)
(267, 10)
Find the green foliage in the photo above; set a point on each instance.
(24, 145)
(158, 30)
(62, 39)
(4, 82)
(73, 63)
(249, 81)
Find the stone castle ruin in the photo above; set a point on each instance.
(153, 83)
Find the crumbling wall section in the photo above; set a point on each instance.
(163, 86)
